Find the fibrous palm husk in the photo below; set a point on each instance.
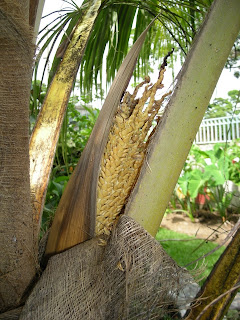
(130, 278)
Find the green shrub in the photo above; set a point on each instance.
(74, 135)
(206, 173)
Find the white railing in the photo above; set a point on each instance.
(218, 130)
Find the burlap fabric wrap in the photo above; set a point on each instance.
(130, 278)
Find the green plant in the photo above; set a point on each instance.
(222, 200)
(233, 152)
(18, 259)
(55, 189)
(224, 107)
(73, 136)
(75, 131)
(234, 57)
(38, 92)
(205, 173)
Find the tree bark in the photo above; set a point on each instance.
(18, 252)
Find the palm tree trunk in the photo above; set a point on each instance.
(18, 254)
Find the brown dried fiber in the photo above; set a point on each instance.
(130, 278)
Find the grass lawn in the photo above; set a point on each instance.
(183, 252)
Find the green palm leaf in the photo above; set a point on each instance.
(118, 25)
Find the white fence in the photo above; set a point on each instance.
(218, 130)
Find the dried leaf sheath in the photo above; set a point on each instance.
(74, 220)
(124, 152)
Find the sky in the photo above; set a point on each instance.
(226, 82)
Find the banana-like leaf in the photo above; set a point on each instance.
(46, 132)
(74, 220)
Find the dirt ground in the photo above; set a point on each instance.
(205, 226)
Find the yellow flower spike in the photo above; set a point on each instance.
(125, 150)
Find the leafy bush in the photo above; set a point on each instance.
(224, 107)
(55, 190)
(38, 92)
(74, 135)
(233, 153)
(204, 177)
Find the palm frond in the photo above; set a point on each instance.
(66, 19)
(174, 18)
(118, 25)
